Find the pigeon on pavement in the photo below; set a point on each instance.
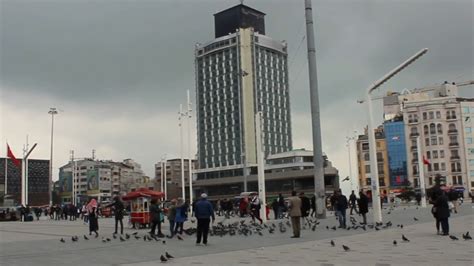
(332, 243)
(405, 239)
(346, 248)
(168, 256)
(453, 237)
(62, 240)
(163, 259)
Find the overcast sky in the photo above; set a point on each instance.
(118, 70)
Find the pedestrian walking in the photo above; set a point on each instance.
(119, 210)
(294, 208)
(313, 206)
(281, 205)
(255, 208)
(172, 216)
(363, 205)
(453, 197)
(305, 207)
(340, 205)
(181, 216)
(275, 208)
(203, 212)
(156, 220)
(93, 217)
(353, 202)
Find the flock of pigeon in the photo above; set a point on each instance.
(242, 228)
(146, 237)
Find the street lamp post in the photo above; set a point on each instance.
(372, 144)
(180, 124)
(348, 144)
(52, 112)
(190, 162)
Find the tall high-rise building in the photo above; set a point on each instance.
(238, 74)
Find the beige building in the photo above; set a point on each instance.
(363, 161)
(437, 118)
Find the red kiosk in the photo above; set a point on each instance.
(140, 205)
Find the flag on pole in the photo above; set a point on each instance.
(426, 161)
(12, 156)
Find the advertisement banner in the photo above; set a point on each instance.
(65, 183)
(92, 181)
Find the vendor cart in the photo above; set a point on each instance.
(140, 201)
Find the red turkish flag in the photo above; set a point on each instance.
(426, 161)
(14, 159)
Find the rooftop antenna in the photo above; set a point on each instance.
(93, 154)
(241, 2)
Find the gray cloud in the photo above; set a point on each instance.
(119, 69)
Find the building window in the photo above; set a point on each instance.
(415, 169)
(427, 142)
(414, 131)
(428, 155)
(430, 181)
(434, 141)
(425, 116)
(468, 130)
(465, 110)
(454, 154)
(425, 129)
(441, 154)
(368, 181)
(431, 115)
(367, 168)
(440, 140)
(443, 167)
(435, 154)
(436, 166)
(438, 114)
(468, 140)
(432, 129)
(366, 156)
(440, 129)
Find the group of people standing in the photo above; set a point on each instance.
(340, 204)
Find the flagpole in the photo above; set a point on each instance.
(421, 172)
(6, 172)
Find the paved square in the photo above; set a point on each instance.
(37, 243)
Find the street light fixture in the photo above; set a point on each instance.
(52, 111)
(372, 143)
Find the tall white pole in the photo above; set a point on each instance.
(190, 163)
(374, 172)
(165, 181)
(350, 162)
(261, 166)
(161, 175)
(180, 118)
(6, 175)
(319, 188)
(421, 170)
(52, 112)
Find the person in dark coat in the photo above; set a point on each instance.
(305, 206)
(119, 210)
(442, 212)
(352, 201)
(340, 206)
(363, 205)
(281, 206)
(203, 212)
(155, 213)
(313, 206)
(93, 217)
(275, 208)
